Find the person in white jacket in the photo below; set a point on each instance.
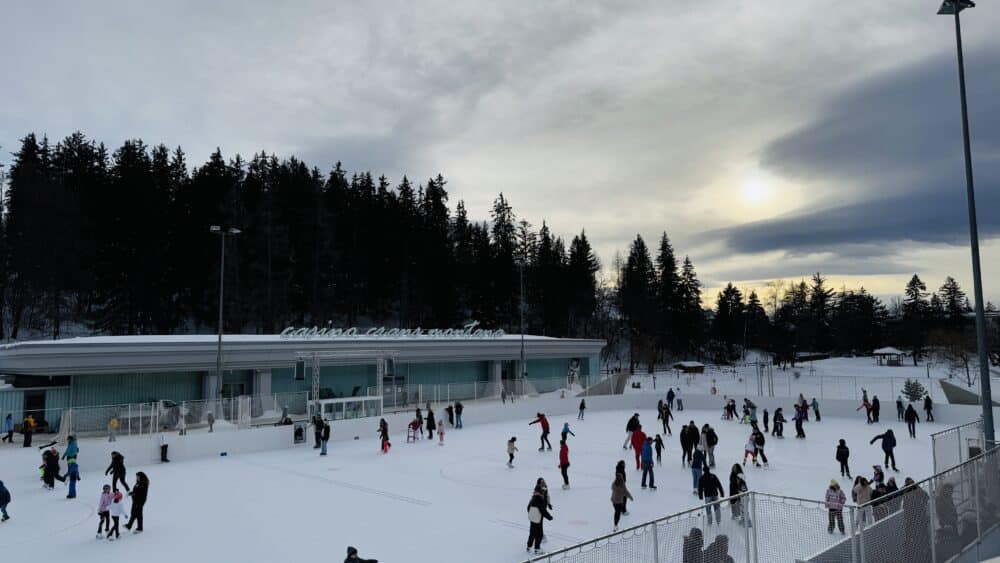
(163, 445)
(117, 512)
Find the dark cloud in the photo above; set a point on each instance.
(889, 151)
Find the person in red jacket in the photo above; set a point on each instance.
(545, 431)
(564, 462)
(638, 440)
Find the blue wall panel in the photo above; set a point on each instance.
(121, 388)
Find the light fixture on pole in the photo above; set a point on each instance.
(223, 233)
(954, 8)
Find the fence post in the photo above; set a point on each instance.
(855, 536)
(753, 523)
(130, 419)
(930, 520)
(746, 529)
(656, 543)
(975, 494)
(860, 514)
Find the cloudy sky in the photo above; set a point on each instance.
(769, 143)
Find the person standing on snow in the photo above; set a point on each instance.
(117, 471)
(647, 464)
(8, 429)
(103, 508)
(459, 407)
(888, 445)
(709, 439)
(630, 427)
(876, 407)
(583, 407)
(564, 463)
(843, 454)
(164, 445)
(911, 420)
(835, 500)
(544, 423)
(778, 429)
(317, 423)
(619, 495)
(665, 419)
(899, 408)
(383, 434)
(815, 406)
(566, 431)
(139, 495)
(800, 415)
(4, 501)
(658, 444)
(670, 398)
(511, 449)
(537, 514)
(688, 441)
(680, 402)
(928, 409)
(450, 411)
(698, 469)
(352, 557)
(431, 427)
(765, 421)
(710, 489)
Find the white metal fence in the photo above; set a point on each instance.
(946, 517)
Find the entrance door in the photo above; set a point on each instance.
(34, 404)
(230, 390)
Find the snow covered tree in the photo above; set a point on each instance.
(913, 390)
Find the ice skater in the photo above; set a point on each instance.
(876, 407)
(619, 495)
(630, 426)
(583, 407)
(888, 445)
(658, 444)
(638, 441)
(647, 464)
(778, 429)
(103, 511)
(707, 442)
(670, 398)
(750, 450)
(440, 435)
(352, 557)
(665, 417)
(758, 442)
(117, 512)
(911, 420)
(737, 486)
(680, 402)
(73, 474)
(431, 427)
(564, 463)
(164, 445)
(511, 450)
(566, 431)
(450, 411)
(8, 429)
(900, 410)
(383, 434)
(537, 514)
(139, 494)
(928, 409)
(4, 501)
(815, 406)
(689, 436)
(324, 437)
(865, 404)
(698, 469)
(117, 471)
(459, 407)
(765, 421)
(542, 421)
(842, 455)
(710, 489)
(317, 424)
(801, 413)
(620, 472)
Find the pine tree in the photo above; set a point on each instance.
(915, 308)
(913, 390)
(692, 319)
(582, 281)
(729, 325)
(637, 298)
(667, 302)
(819, 313)
(952, 299)
(758, 325)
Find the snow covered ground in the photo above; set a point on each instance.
(421, 502)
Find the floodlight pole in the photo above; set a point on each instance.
(954, 7)
(222, 232)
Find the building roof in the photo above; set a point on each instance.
(689, 365)
(197, 352)
(889, 351)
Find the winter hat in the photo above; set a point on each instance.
(118, 495)
(513, 438)
(107, 488)
(351, 551)
(834, 483)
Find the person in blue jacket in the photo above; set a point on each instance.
(74, 475)
(72, 450)
(8, 428)
(647, 464)
(566, 431)
(888, 445)
(4, 501)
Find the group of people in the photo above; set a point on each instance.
(28, 427)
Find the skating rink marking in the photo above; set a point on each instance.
(343, 484)
(548, 534)
(46, 533)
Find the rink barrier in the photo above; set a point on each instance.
(950, 516)
(958, 444)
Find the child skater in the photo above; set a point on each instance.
(750, 450)
(103, 506)
(511, 448)
(117, 511)
(658, 444)
(440, 434)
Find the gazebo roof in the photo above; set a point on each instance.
(888, 351)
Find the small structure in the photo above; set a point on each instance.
(889, 356)
(690, 367)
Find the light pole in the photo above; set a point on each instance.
(222, 232)
(524, 368)
(953, 8)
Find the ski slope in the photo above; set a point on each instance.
(421, 502)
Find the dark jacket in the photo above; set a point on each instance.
(620, 469)
(888, 440)
(632, 425)
(117, 466)
(4, 495)
(709, 486)
(843, 452)
(139, 492)
(538, 501)
(698, 459)
(459, 407)
(736, 484)
(876, 406)
(927, 403)
(911, 414)
(325, 436)
(758, 439)
(711, 437)
(430, 420)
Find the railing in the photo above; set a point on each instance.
(412, 395)
(942, 518)
(951, 447)
(136, 419)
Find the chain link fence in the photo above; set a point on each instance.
(951, 516)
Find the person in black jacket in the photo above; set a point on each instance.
(117, 471)
(317, 423)
(537, 514)
(431, 427)
(138, 494)
(352, 557)
(737, 485)
(450, 411)
(758, 442)
(911, 420)
(899, 408)
(689, 437)
(778, 428)
(324, 437)
(928, 409)
(876, 406)
(631, 426)
(4, 501)
(459, 407)
(710, 489)
(843, 454)
(888, 445)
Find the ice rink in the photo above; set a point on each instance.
(421, 502)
